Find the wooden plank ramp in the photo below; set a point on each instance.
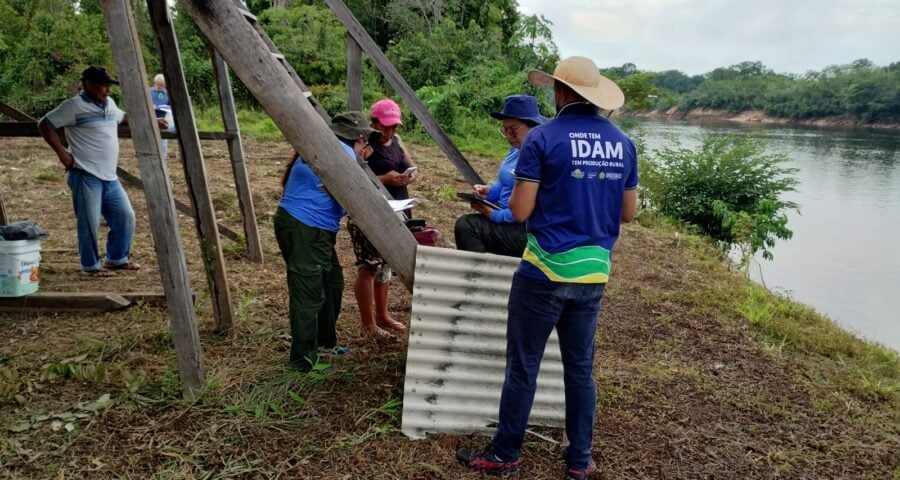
(80, 302)
(64, 302)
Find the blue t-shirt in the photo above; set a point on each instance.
(159, 97)
(305, 199)
(584, 164)
(502, 189)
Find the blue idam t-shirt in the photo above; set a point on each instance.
(584, 164)
(306, 200)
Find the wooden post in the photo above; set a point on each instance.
(21, 117)
(154, 172)
(14, 113)
(236, 152)
(406, 92)
(136, 182)
(4, 218)
(354, 75)
(246, 53)
(30, 129)
(194, 168)
(18, 116)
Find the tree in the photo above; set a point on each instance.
(639, 90)
(319, 54)
(532, 45)
(729, 188)
(47, 45)
(676, 81)
(430, 58)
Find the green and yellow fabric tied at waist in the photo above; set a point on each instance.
(587, 264)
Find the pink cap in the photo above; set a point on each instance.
(387, 112)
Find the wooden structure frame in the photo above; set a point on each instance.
(238, 40)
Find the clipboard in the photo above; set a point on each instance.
(471, 197)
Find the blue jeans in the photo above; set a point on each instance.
(535, 308)
(92, 197)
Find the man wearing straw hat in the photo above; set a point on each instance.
(576, 183)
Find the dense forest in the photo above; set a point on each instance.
(861, 89)
(461, 56)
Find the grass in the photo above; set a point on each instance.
(47, 175)
(700, 373)
(254, 124)
(785, 328)
(868, 370)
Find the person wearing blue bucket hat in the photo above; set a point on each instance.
(495, 230)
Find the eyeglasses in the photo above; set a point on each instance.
(509, 131)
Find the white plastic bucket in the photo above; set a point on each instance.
(19, 267)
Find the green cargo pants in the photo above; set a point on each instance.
(315, 282)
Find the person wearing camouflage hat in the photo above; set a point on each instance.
(306, 226)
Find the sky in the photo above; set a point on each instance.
(697, 36)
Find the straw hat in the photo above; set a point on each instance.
(583, 76)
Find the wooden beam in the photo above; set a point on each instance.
(249, 57)
(4, 217)
(29, 129)
(406, 92)
(254, 23)
(129, 61)
(354, 75)
(152, 299)
(236, 153)
(182, 207)
(194, 167)
(14, 114)
(64, 302)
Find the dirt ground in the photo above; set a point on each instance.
(685, 389)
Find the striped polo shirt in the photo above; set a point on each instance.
(92, 133)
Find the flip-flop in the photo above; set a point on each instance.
(335, 351)
(100, 273)
(124, 266)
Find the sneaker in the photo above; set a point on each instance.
(484, 460)
(574, 474)
(335, 351)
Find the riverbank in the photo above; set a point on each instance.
(758, 116)
(701, 373)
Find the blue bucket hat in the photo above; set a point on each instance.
(521, 107)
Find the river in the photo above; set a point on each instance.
(844, 257)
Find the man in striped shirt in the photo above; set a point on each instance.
(91, 120)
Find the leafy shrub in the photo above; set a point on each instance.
(729, 188)
(311, 39)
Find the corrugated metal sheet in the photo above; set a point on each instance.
(457, 345)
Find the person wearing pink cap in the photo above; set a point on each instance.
(389, 160)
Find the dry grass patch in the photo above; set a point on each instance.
(699, 374)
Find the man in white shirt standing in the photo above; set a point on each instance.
(91, 120)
